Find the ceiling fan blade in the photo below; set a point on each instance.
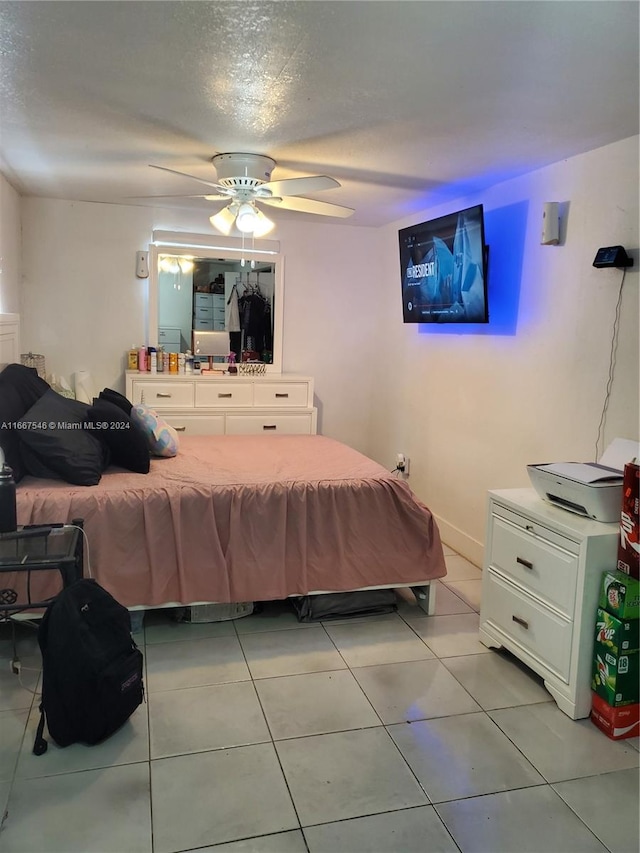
(219, 187)
(308, 205)
(182, 195)
(298, 186)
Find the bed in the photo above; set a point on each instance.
(246, 518)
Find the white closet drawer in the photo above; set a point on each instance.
(224, 395)
(197, 425)
(537, 564)
(201, 325)
(541, 633)
(202, 300)
(163, 395)
(285, 394)
(270, 424)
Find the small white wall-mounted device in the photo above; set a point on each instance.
(142, 264)
(550, 224)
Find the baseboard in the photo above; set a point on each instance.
(461, 542)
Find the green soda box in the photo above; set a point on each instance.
(618, 636)
(620, 595)
(616, 678)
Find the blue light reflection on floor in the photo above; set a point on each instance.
(505, 229)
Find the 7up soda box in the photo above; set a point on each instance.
(615, 667)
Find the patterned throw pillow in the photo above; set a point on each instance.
(161, 437)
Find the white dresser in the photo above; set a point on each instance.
(217, 404)
(541, 578)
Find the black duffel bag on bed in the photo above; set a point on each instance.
(341, 605)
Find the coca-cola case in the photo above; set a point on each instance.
(629, 543)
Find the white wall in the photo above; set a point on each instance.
(83, 306)
(472, 410)
(10, 248)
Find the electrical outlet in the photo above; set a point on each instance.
(402, 463)
(16, 666)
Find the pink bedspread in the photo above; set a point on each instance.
(245, 518)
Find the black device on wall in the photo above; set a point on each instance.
(443, 264)
(612, 256)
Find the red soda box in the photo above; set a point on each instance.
(629, 544)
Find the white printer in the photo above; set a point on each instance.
(592, 489)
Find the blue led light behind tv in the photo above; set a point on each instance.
(443, 265)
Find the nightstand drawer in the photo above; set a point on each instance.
(163, 395)
(541, 633)
(224, 395)
(540, 566)
(285, 394)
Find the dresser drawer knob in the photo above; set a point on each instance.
(530, 528)
(281, 395)
(225, 395)
(180, 429)
(162, 394)
(520, 621)
(526, 563)
(269, 426)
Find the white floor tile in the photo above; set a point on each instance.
(212, 797)
(281, 842)
(531, 820)
(408, 831)
(417, 690)
(95, 811)
(469, 591)
(203, 718)
(497, 680)
(460, 569)
(379, 641)
(456, 757)
(194, 663)
(161, 627)
(609, 805)
(130, 744)
(350, 774)
(12, 726)
(447, 602)
(451, 636)
(317, 703)
(561, 748)
(275, 653)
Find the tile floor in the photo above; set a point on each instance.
(393, 734)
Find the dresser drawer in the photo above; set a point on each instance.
(169, 336)
(540, 632)
(201, 325)
(224, 395)
(163, 395)
(542, 567)
(202, 300)
(270, 423)
(285, 394)
(197, 425)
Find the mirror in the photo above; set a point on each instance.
(207, 288)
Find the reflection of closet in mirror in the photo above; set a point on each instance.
(192, 290)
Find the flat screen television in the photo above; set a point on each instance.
(443, 265)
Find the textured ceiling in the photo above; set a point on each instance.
(407, 104)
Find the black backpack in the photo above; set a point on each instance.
(91, 667)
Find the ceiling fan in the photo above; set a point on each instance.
(244, 181)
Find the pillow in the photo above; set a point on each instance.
(115, 398)
(56, 441)
(162, 439)
(20, 388)
(124, 438)
(11, 410)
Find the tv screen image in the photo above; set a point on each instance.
(443, 264)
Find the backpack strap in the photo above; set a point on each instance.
(40, 745)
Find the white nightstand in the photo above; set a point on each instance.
(541, 578)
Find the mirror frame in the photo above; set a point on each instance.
(179, 243)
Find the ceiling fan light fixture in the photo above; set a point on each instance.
(264, 225)
(247, 218)
(223, 220)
